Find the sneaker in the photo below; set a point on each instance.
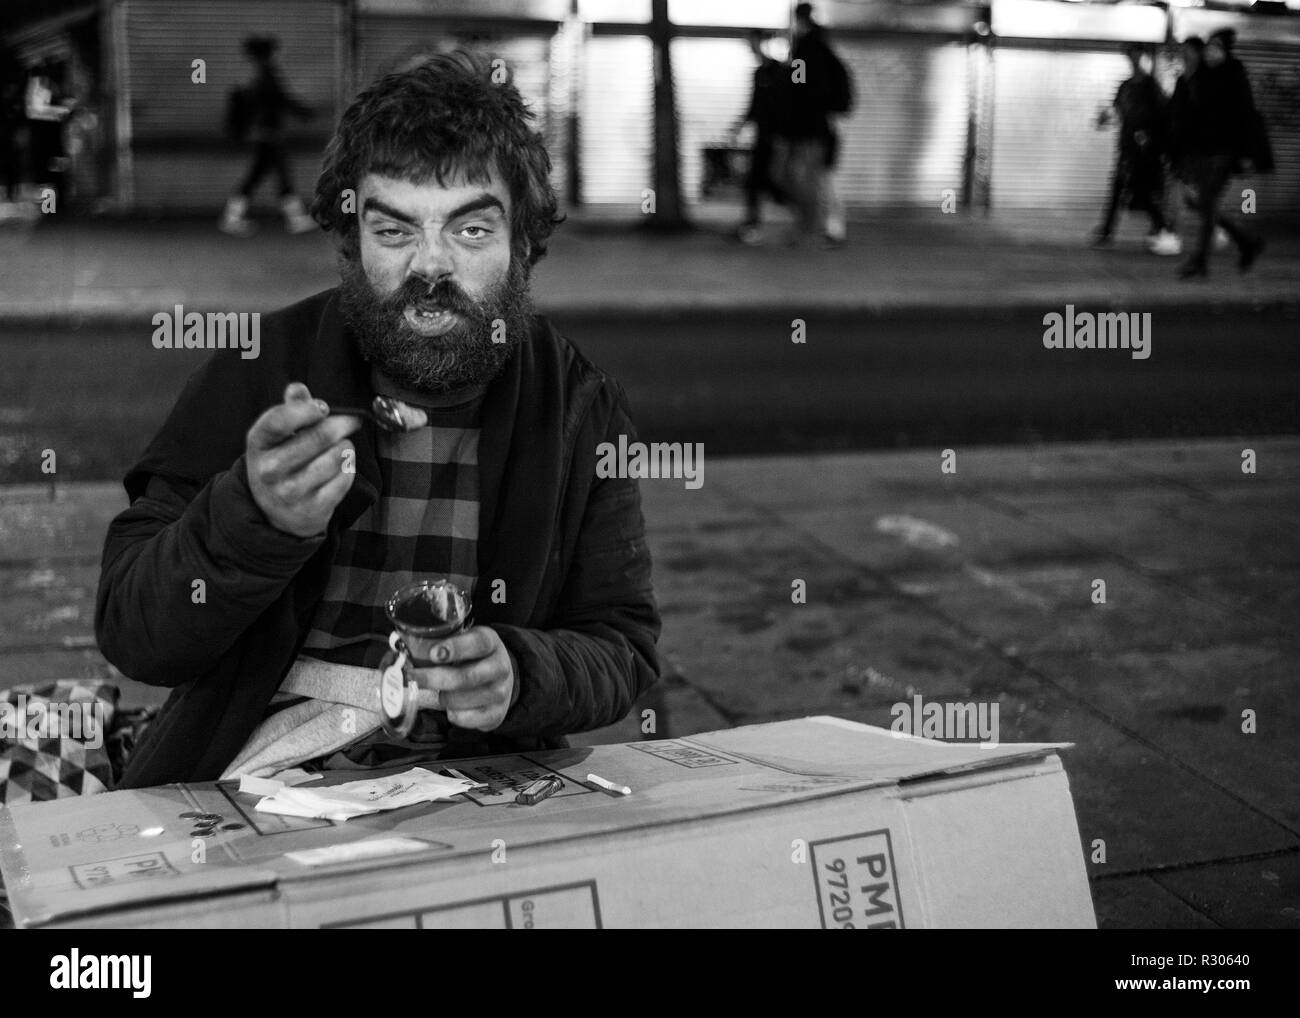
(1100, 239)
(234, 219)
(750, 234)
(296, 219)
(1166, 243)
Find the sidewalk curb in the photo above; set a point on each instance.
(141, 316)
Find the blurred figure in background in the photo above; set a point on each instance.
(11, 123)
(258, 112)
(1141, 106)
(821, 89)
(766, 112)
(47, 107)
(1218, 131)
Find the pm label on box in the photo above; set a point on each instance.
(856, 882)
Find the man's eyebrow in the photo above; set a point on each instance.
(483, 201)
(378, 205)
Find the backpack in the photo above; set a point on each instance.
(839, 88)
(239, 114)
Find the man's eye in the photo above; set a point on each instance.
(474, 232)
(390, 232)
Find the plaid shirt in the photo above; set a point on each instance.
(424, 525)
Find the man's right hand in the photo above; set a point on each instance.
(300, 462)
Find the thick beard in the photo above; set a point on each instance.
(465, 357)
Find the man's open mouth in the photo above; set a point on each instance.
(430, 320)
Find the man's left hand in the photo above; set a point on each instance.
(473, 679)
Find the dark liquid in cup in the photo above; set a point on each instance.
(419, 613)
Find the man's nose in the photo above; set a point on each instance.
(432, 260)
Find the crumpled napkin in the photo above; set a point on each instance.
(354, 798)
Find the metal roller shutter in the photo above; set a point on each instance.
(1047, 152)
(713, 78)
(905, 141)
(180, 158)
(1275, 80)
(616, 120)
(386, 44)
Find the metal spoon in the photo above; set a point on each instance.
(390, 414)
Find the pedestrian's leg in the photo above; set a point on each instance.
(1207, 197)
(758, 159)
(802, 170)
(296, 219)
(836, 223)
(1117, 181)
(263, 159)
(234, 218)
(1248, 244)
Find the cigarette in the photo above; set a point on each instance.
(609, 786)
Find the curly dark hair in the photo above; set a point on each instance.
(443, 117)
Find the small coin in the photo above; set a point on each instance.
(190, 814)
(232, 827)
(216, 818)
(203, 832)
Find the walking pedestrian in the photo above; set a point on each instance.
(821, 89)
(1220, 131)
(766, 112)
(1139, 175)
(259, 110)
(47, 107)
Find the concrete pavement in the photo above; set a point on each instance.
(978, 585)
(131, 269)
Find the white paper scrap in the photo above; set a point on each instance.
(259, 786)
(359, 798)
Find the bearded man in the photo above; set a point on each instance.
(251, 572)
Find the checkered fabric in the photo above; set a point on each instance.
(425, 524)
(54, 740)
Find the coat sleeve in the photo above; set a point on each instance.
(587, 669)
(185, 572)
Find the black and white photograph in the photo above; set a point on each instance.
(651, 464)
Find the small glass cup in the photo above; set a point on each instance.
(423, 614)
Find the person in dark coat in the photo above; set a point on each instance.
(1218, 130)
(269, 103)
(766, 111)
(809, 131)
(251, 571)
(1139, 175)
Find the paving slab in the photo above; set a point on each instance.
(1141, 903)
(1190, 705)
(1255, 893)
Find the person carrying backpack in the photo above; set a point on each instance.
(258, 112)
(821, 89)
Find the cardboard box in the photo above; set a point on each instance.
(811, 823)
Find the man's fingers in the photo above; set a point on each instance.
(319, 472)
(331, 493)
(296, 453)
(470, 645)
(482, 698)
(476, 719)
(458, 679)
(281, 422)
